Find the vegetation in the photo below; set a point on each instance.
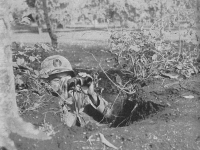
(164, 15)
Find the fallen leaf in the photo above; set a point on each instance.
(135, 48)
(188, 96)
(154, 57)
(90, 139)
(36, 72)
(106, 142)
(32, 58)
(118, 79)
(20, 61)
(45, 47)
(18, 80)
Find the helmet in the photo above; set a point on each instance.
(55, 64)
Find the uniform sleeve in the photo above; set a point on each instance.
(100, 101)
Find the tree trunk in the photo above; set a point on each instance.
(38, 20)
(10, 121)
(39, 26)
(161, 16)
(54, 39)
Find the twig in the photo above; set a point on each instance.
(123, 121)
(106, 142)
(90, 139)
(52, 112)
(133, 63)
(119, 94)
(123, 71)
(122, 89)
(179, 34)
(134, 108)
(115, 101)
(129, 115)
(45, 116)
(33, 108)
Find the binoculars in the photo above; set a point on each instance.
(79, 80)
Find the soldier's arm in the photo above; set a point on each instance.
(99, 103)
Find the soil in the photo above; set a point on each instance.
(166, 116)
(175, 126)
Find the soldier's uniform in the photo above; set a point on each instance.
(57, 70)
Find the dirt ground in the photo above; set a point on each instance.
(174, 127)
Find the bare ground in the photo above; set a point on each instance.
(176, 127)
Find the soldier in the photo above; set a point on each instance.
(75, 92)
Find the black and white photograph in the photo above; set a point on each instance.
(99, 75)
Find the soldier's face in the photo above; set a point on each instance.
(56, 81)
(55, 84)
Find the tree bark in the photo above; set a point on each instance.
(38, 20)
(10, 120)
(54, 39)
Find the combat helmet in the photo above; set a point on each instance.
(55, 64)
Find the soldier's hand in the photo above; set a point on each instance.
(89, 90)
(91, 93)
(88, 85)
